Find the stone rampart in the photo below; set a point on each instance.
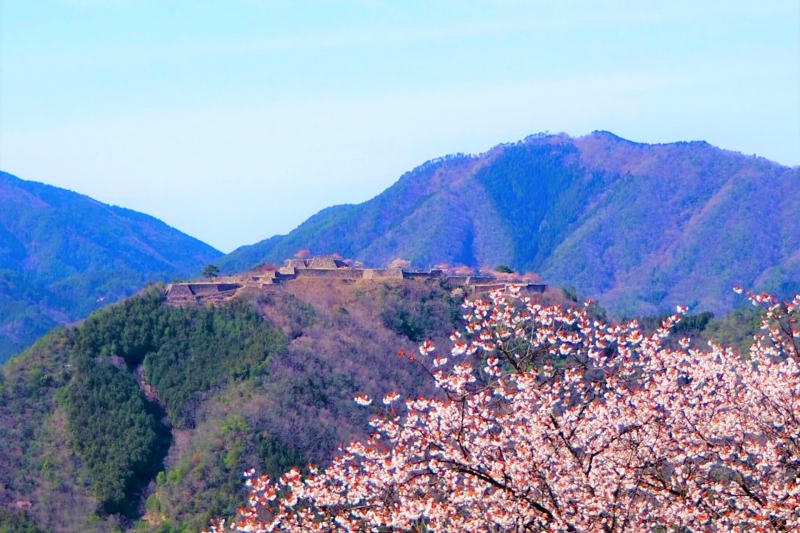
(204, 289)
(383, 273)
(295, 263)
(326, 262)
(532, 288)
(525, 289)
(328, 268)
(469, 280)
(486, 288)
(419, 274)
(183, 293)
(179, 290)
(333, 273)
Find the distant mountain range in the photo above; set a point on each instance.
(639, 227)
(64, 255)
(145, 414)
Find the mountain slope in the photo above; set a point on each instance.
(640, 227)
(147, 414)
(63, 254)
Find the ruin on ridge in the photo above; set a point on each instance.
(330, 268)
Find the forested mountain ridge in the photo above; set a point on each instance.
(639, 227)
(145, 415)
(63, 255)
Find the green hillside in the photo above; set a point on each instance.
(64, 255)
(146, 415)
(639, 227)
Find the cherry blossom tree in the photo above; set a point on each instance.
(400, 263)
(551, 421)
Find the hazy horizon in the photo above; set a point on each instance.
(236, 121)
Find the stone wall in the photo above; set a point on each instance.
(383, 273)
(183, 293)
(532, 288)
(334, 273)
(296, 263)
(487, 288)
(326, 262)
(179, 290)
(204, 289)
(418, 274)
(327, 268)
(525, 289)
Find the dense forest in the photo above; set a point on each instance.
(146, 415)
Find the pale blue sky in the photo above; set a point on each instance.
(235, 120)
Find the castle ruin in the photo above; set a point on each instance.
(330, 268)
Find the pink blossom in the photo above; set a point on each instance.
(574, 426)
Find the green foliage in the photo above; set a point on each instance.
(420, 319)
(210, 271)
(129, 330)
(692, 324)
(736, 329)
(212, 470)
(117, 434)
(205, 348)
(504, 269)
(185, 352)
(570, 293)
(207, 481)
(275, 457)
(17, 523)
(541, 192)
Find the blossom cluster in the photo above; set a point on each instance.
(552, 421)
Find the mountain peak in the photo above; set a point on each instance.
(639, 227)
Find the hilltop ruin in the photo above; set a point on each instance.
(328, 268)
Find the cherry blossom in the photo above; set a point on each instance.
(552, 421)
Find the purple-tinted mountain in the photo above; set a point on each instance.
(639, 227)
(64, 255)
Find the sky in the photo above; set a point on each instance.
(236, 120)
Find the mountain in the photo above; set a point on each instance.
(64, 255)
(145, 415)
(639, 227)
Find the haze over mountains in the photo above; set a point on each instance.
(64, 255)
(639, 227)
